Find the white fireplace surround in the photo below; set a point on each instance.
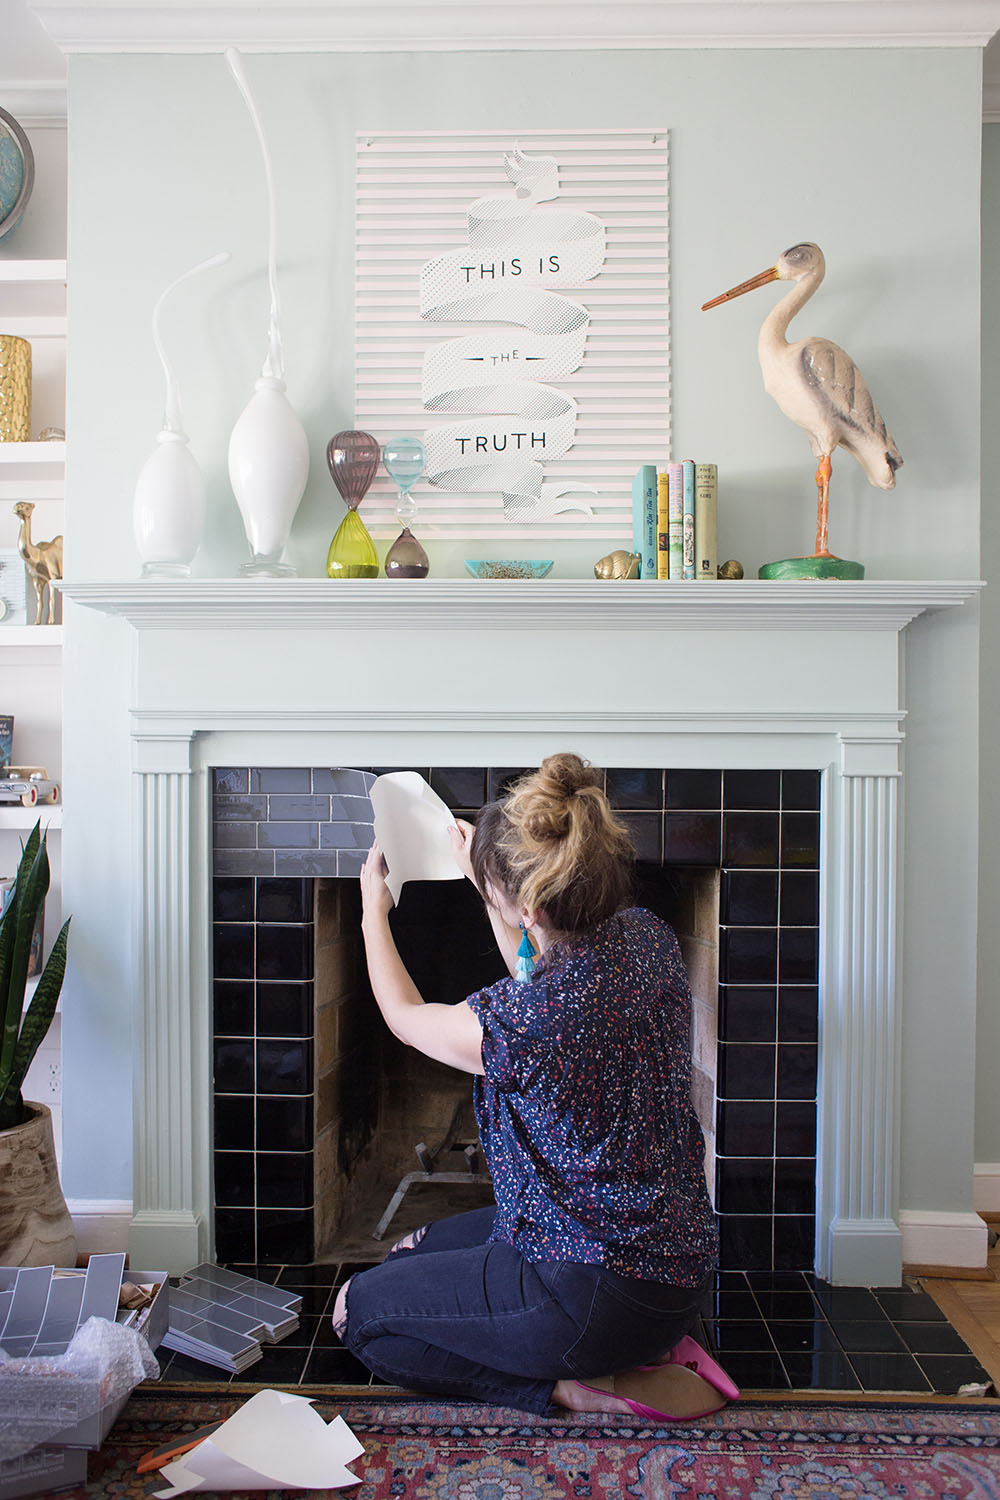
(735, 675)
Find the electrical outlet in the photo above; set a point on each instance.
(53, 1080)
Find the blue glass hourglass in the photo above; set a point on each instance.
(404, 459)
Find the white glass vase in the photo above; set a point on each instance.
(168, 508)
(268, 469)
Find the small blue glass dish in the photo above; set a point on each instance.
(513, 567)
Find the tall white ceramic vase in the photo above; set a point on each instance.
(168, 503)
(268, 448)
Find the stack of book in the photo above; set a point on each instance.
(223, 1318)
(675, 520)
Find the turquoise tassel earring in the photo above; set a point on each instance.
(525, 958)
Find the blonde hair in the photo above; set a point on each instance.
(555, 845)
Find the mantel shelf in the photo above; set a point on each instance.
(546, 604)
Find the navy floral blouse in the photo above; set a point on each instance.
(584, 1111)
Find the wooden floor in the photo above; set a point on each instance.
(973, 1309)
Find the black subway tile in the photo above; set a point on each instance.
(692, 838)
(232, 1007)
(745, 1243)
(794, 1242)
(746, 1071)
(234, 1179)
(284, 1067)
(798, 1012)
(460, 786)
(282, 900)
(751, 790)
(233, 1122)
(745, 1127)
(749, 898)
(285, 1235)
(235, 1238)
(748, 955)
(232, 899)
(699, 791)
(285, 1124)
(797, 1063)
(744, 1185)
(795, 1131)
(799, 906)
(645, 831)
(635, 789)
(747, 1013)
(798, 955)
(795, 1185)
(284, 1179)
(285, 952)
(285, 1009)
(232, 950)
(800, 790)
(233, 1067)
(502, 778)
(800, 840)
(750, 839)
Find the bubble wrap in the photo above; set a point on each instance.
(40, 1397)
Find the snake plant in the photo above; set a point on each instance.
(23, 1031)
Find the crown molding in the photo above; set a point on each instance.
(36, 104)
(185, 26)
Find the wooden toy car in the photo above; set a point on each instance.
(27, 785)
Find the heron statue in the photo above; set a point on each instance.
(820, 388)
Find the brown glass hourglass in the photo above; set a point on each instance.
(353, 460)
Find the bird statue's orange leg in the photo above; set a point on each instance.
(823, 472)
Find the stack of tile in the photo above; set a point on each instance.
(222, 1318)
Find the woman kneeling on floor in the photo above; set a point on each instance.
(582, 1286)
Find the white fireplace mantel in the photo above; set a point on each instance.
(745, 674)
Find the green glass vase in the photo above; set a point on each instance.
(352, 552)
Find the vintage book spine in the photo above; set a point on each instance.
(706, 520)
(644, 518)
(675, 489)
(663, 525)
(687, 520)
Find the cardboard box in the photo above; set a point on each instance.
(42, 1471)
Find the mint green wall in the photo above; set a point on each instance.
(988, 1025)
(872, 153)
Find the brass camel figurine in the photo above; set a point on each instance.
(44, 561)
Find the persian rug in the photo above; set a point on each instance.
(781, 1448)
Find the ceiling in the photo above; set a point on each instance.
(33, 69)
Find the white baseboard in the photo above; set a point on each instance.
(943, 1239)
(101, 1224)
(986, 1187)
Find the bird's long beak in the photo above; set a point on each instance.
(762, 279)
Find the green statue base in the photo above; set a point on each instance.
(812, 567)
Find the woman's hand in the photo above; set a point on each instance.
(376, 898)
(460, 837)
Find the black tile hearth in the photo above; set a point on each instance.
(768, 1329)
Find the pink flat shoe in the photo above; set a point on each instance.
(693, 1357)
(649, 1392)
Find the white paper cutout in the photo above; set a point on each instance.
(275, 1441)
(411, 829)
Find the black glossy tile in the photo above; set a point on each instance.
(948, 1372)
(280, 779)
(800, 790)
(233, 1122)
(232, 1007)
(279, 1366)
(692, 838)
(305, 1335)
(230, 780)
(794, 1241)
(868, 1337)
(460, 786)
(783, 1306)
(777, 1281)
(233, 1067)
(751, 789)
(748, 955)
(745, 1241)
(284, 1179)
(700, 791)
(285, 952)
(317, 1301)
(824, 1371)
(931, 1338)
(795, 1185)
(325, 1336)
(749, 898)
(233, 1178)
(256, 1269)
(732, 1335)
(324, 1274)
(232, 950)
(750, 839)
(232, 898)
(286, 1235)
(747, 1013)
(889, 1372)
(797, 1063)
(745, 1128)
(336, 1367)
(746, 1070)
(235, 1234)
(646, 832)
(729, 1305)
(635, 788)
(285, 1009)
(184, 1371)
(284, 1067)
(282, 900)
(799, 898)
(901, 1302)
(795, 1128)
(798, 955)
(812, 1337)
(284, 1124)
(800, 840)
(798, 1012)
(756, 1372)
(744, 1185)
(501, 779)
(849, 1303)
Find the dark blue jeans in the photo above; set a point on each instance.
(459, 1316)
